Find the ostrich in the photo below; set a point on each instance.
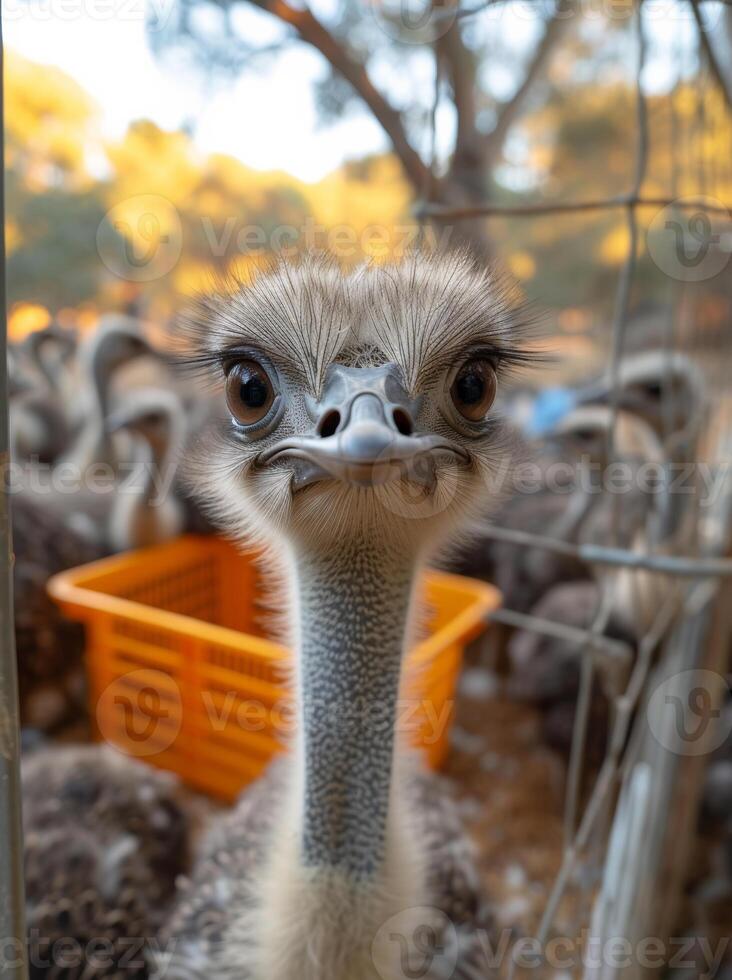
(117, 340)
(88, 464)
(49, 647)
(105, 839)
(50, 352)
(360, 439)
(666, 390)
(39, 425)
(54, 529)
(146, 511)
(546, 670)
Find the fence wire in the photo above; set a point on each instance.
(700, 566)
(676, 634)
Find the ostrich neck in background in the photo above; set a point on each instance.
(353, 610)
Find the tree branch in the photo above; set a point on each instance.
(710, 55)
(461, 71)
(312, 32)
(511, 109)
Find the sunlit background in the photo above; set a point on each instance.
(227, 120)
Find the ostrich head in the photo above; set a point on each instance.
(155, 415)
(361, 433)
(665, 388)
(667, 391)
(146, 509)
(52, 340)
(644, 517)
(117, 340)
(358, 405)
(586, 430)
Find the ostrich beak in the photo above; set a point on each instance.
(364, 434)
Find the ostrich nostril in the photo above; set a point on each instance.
(329, 424)
(403, 422)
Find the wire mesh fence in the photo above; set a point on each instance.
(626, 832)
(627, 836)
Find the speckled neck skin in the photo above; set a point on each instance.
(353, 612)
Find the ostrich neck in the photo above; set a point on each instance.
(354, 604)
(100, 379)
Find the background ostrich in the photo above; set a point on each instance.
(665, 391)
(49, 647)
(661, 405)
(146, 511)
(62, 431)
(39, 370)
(105, 839)
(360, 439)
(117, 341)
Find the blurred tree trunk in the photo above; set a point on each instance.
(717, 56)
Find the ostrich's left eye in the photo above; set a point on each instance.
(249, 392)
(474, 389)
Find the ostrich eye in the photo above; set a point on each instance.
(474, 389)
(249, 392)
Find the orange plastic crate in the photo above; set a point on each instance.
(183, 676)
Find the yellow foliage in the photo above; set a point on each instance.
(371, 200)
(245, 268)
(25, 318)
(190, 279)
(149, 160)
(87, 317)
(615, 245)
(49, 121)
(13, 235)
(574, 320)
(147, 221)
(522, 264)
(686, 102)
(579, 146)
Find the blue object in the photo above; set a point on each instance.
(550, 407)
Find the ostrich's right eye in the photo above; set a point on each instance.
(474, 389)
(249, 392)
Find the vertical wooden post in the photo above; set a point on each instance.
(13, 963)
